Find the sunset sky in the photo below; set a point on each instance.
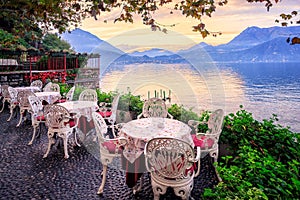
(230, 19)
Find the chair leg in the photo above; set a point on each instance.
(215, 155)
(34, 132)
(11, 110)
(138, 188)
(66, 147)
(75, 136)
(104, 172)
(51, 141)
(3, 105)
(22, 112)
(187, 191)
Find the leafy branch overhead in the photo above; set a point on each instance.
(19, 17)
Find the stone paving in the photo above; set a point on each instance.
(24, 174)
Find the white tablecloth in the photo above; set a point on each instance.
(50, 97)
(83, 108)
(31, 88)
(139, 131)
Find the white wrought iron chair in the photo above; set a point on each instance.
(47, 87)
(109, 112)
(88, 95)
(60, 121)
(69, 95)
(24, 105)
(13, 101)
(209, 141)
(170, 162)
(37, 114)
(37, 83)
(154, 107)
(51, 87)
(109, 148)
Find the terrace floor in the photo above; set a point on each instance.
(24, 174)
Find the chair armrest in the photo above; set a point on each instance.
(197, 159)
(140, 116)
(170, 116)
(75, 117)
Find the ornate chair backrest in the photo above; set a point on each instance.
(47, 87)
(36, 105)
(22, 98)
(54, 87)
(88, 95)
(154, 107)
(169, 158)
(13, 94)
(215, 122)
(56, 116)
(114, 108)
(5, 92)
(69, 95)
(100, 126)
(37, 83)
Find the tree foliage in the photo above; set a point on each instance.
(52, 42)
(22, 16)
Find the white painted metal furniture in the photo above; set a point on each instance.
(13, 101)
(154, 107)
(109, 148)
(209, 141)
(170, 162)
(37, 114)
(37, 83)
(47, 87)
(88, 95)
(24, 105)
(59, 121)
(5, 96)
(138, 132)
(70, 94)
(109, 111)
(51, 87)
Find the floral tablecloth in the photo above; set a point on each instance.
(139, 131)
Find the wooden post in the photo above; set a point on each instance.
(65, 69)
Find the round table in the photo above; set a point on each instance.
(139, 131)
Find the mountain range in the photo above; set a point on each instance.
(254, 44)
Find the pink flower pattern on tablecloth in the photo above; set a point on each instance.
(139, 131)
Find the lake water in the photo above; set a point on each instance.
(263, 89)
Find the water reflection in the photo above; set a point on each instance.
(263, 89)
(189, 87)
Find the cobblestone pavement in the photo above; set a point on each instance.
(24, 174)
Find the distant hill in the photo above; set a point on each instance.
(254, 45)
(152, 53)
(81, 41)
(85, 42)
